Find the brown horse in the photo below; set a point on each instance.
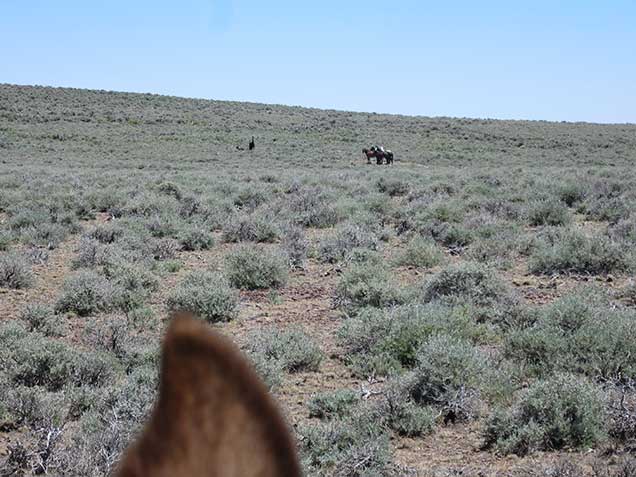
(214, 416)
(379, 154)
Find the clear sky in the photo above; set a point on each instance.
(542, 59)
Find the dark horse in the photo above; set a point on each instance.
(379, 154)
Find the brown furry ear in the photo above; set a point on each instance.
(214, 416)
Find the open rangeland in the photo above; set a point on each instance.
(469, 310)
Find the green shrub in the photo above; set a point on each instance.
(295, 246)
(171, 266)
(468, 281)
(132, 284)
(92, 253)
(577, 333)
(497, 251)
(35, 407)
(15, 272)
(624, 231)
(47, 235)
(249, 198)
(448, 374)
(5, 240)
(574, 252)
(194, 238)
(311, 208)
(106, 233)
(169, 189)
(162, 225)
(393, 187)
(252, 268)
(254, 228)
(403, 415)
(380, 342)
(269, 369)
(332, 404)
(293, 349)
(26, 217)
(548, 212)
(572, 193)
(353, 446)
(42, 318)
(30, 359)
(562, 411)
(455, 236)
(420, 253)
(162, 249)
(206, 294)
(347, 238)
(367, 285)
(86, 293)
(606, 209)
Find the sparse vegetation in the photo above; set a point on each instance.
(445, 288)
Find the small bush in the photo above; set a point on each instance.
(42, 318)
(85, 293)
(195, 238)
(572, 193)
(348, 237)
(15, 272)
(576, 253)
(562, 411)
(379, 342)
(30, 359)
(448, 375)
(578, 333)
(253, 268)
(47, 235)
(35, 407)
(354, 446)
(106, 234)
(162, 249)
(624, 231)
(548, 212)
(420, 253)
(295, 246)
(250, 198)
(270, 370)
(206, 294)
(292, 348)
(393, 187)
(254, 228)
(473, 282)
(310, 208)
(332, 404)
(132, 284)
(91, 253)
(5, 240)
(367, 285)
(403, 415)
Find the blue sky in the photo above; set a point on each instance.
(555, 60)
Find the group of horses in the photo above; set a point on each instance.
(382, 156)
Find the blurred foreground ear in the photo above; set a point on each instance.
(214, 416)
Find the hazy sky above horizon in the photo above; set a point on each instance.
(556, 60)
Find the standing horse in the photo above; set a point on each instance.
(379, 154)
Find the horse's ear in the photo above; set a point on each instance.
(214, 416)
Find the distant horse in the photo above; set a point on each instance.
(379, 154)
